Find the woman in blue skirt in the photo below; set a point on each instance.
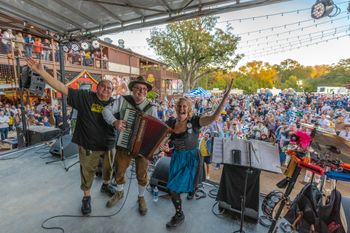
(184, 141)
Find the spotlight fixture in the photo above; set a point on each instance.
(75, 46)
(85, 45)
(95, 44)
(121, 43)
(66, 47)
(322, 8)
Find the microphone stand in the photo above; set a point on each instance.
(244, 196)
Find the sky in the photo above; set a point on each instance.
(274, 33)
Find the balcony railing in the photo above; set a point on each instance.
(48, 52)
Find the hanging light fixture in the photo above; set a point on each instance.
(66, 46)
(322, 8)
(85, 45)
(75, 46)
(95, 44)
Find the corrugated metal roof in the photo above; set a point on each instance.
(100, 17)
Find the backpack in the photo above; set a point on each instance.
(325, 218)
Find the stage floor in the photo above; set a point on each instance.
(33, 191)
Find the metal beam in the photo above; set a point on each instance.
(185, 6)
(167, 6)
(20, 14)
(194, 12)
(110, 13)
(51, 12)
(127, 5)
(76, 11)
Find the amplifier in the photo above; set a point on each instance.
(39, 134)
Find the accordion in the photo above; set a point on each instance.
(143, 133)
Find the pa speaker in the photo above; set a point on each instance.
(69, 148)
(38, 134)
(160, 174)
(37, 85)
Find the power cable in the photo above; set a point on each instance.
(91, 216)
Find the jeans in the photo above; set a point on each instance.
(29, 51)
(4, 133)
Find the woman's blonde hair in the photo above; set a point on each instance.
(188, 103)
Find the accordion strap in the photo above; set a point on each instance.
(131, 101)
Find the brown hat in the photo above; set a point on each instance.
(141, 80)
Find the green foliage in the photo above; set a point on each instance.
(152, 95)
(195, 48)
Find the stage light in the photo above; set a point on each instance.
(95, 44)
(121, 43)
(322, 8)
(66, 47)
(75, 46)
(85, 45)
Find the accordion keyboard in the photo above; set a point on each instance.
(125, 136)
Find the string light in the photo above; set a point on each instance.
(290, 47)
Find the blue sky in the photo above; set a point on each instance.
(272, 36)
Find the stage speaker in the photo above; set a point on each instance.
(37, 85)
(38, 134)
(160, 174)
(69, 148)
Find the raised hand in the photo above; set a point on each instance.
(36, 66)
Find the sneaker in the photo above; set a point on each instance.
(115, 198)
(86, 205)
(176, 220)
(108, 189)
(142, 205)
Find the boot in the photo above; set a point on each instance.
(176, 220)
(142, 206)
(115, 198)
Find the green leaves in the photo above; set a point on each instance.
(193, 46)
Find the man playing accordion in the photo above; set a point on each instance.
(114, 115)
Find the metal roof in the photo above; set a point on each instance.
(100, 17)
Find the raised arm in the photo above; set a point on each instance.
(207, 120)
(38, 68)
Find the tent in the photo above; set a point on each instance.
(198, 92)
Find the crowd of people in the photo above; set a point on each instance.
(269, 118)
(27, 45)
(37, 114)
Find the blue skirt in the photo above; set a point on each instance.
(182, 170)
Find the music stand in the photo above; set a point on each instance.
(61, 151)
(244, 196)
(252, 154)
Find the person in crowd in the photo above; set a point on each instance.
(4, 125)
(94, 137)
(29, 42)
(19, 44)
(205, 146)
(137, 100)
(38, 48)
(184, 159)
(6, 41)
(345, 132)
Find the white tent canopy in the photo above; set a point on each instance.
(198, 92)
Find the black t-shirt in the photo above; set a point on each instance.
(91, 132)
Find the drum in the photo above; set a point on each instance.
(270, 203)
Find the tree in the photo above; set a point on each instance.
(195, 48)
(291, 67)
(262, 73)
